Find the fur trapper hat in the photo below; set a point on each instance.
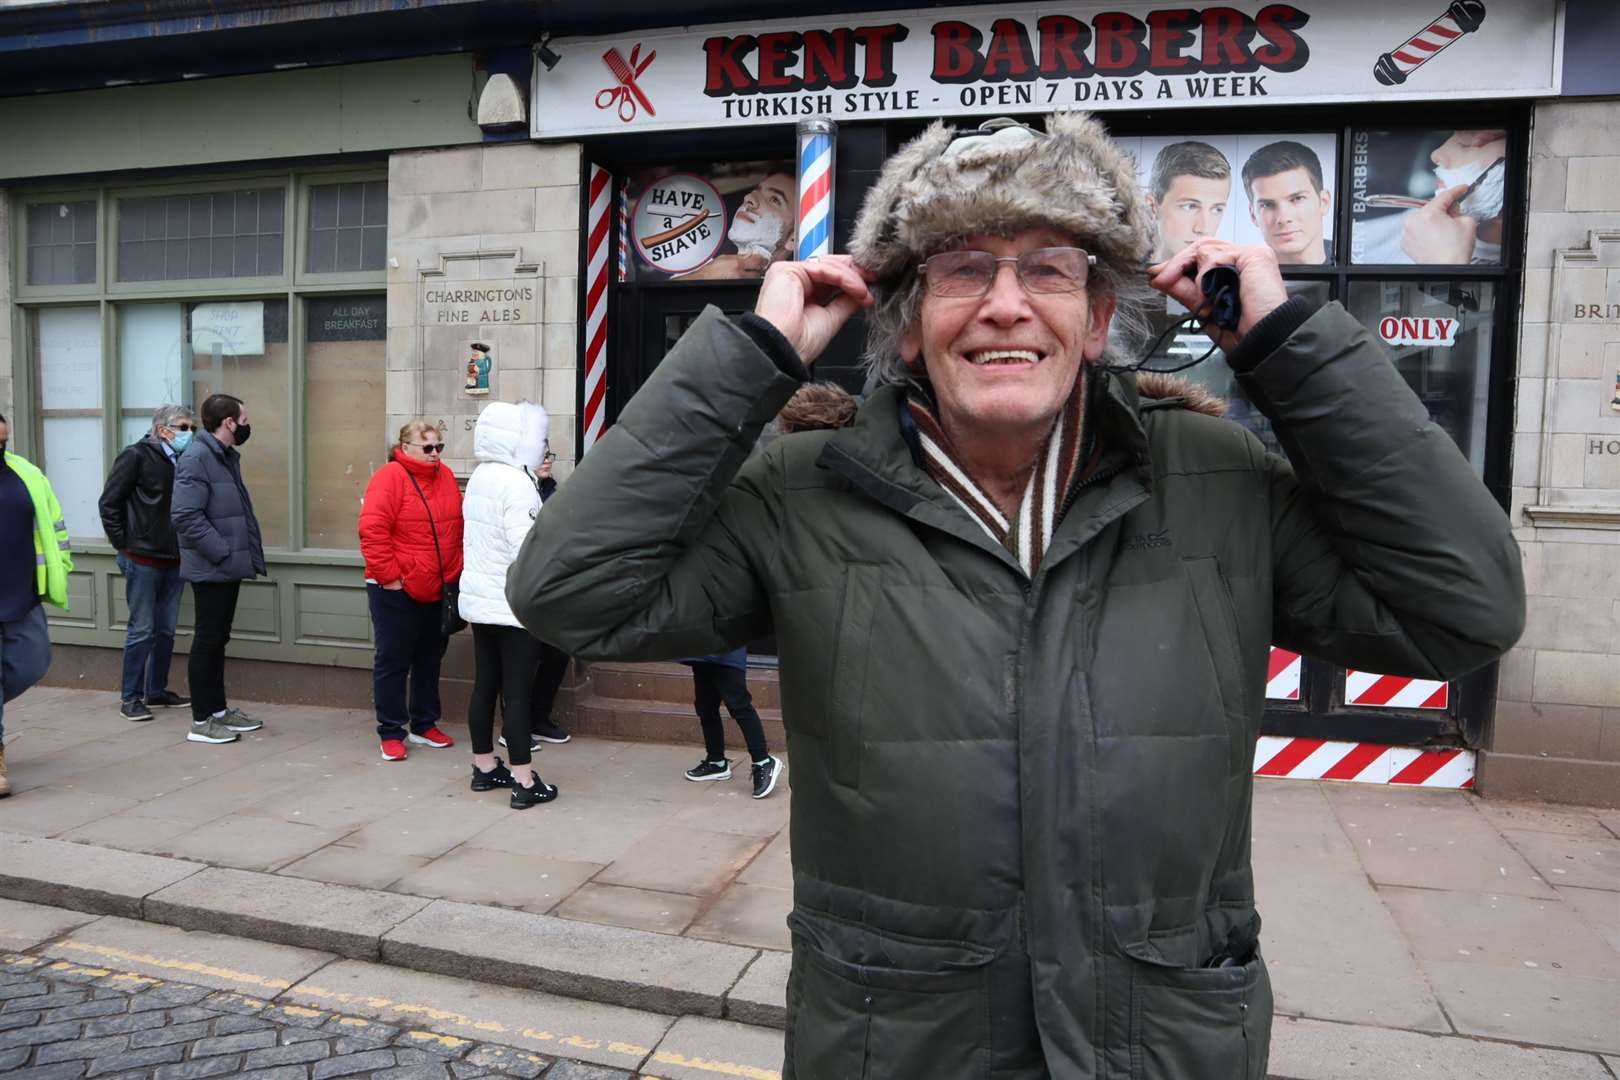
(999, 180)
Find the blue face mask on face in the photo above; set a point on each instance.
(182, 439)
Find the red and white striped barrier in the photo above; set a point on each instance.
(598, 221)
(1394, 691)
(1282, 675)
(1363, 763)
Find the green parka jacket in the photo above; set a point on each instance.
(1020, 820)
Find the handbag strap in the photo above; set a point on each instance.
(431, 525)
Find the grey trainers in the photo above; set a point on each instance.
(237, 720)
(211, 730)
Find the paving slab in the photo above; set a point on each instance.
(1294, 824)
(545, 1023)
(731, 807)
(773, 866)
(127, 832)
(1542, 817)
(338, 919)
(191, 956)
(1551, 1008)
(23, 925)
(677, 859)
(657, 972)
(760, 996)
(499, 877)
(52, 811)
(1599, 908)
(1430, 840)
(639, 909)
(753, 915)
(1316, 1050)
(99, 880)
(698, 1048)
(577, 828)
(428, 835)
(1570, 860)
(249, 843)
(351, 866)
(1501, 931)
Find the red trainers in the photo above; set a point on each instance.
(432, 737)
(393, 750)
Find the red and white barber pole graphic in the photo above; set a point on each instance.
(598, 223)
(1282, 674)
(1363, 763)
(1394, 691)
(1460, 17)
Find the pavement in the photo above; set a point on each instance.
(1408, 932)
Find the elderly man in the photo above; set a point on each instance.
(135, 516)
(1023, 607)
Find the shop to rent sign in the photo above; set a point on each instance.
(1025, 58)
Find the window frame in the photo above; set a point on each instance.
(291, 286)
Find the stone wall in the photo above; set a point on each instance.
(1557, 726)
(504, 212)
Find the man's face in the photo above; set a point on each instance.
(1192, 208)
(765, 218)
(1051, 335)
(1470, 148)
(1288, 211)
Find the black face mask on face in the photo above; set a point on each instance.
(243, 433)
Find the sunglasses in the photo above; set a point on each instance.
(432, 448)
(182, 427)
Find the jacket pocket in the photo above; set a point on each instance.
(853, 650)
(868, 1005)
(1198, 1023)
(1217, 616)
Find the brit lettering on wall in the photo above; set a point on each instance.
(1011, 58)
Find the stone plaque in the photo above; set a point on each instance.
(484, 302)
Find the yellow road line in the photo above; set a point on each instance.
(190, 966)
(720, 1068)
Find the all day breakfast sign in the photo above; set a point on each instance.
(1022, 58)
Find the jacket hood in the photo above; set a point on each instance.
(511, 434)
(1166, 391)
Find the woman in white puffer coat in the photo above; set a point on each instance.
(502, 502)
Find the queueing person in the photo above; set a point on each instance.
(724, 677)
(134, 509)
(410, 537)
(503, 501)
(34, 565)
(548, 674)
(220, 547)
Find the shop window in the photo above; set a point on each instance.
(1438, 334)
(345, 371)
(62, 243)
(1462, 173)
(220, 234)
(348, 227)
(240, 347)
(67, 373)
(151, 344)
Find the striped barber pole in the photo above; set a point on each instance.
(624, 236)
(597, 247)
(1363, 763)
(815, 187)
(1282, 674)
(1394, 691)
(1460, 17)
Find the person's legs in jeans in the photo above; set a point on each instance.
(486, 688)
(165, 617)
(25, 654)
(140, 594)
(216, 609)
(391, 660)
(706, 700)
(426, 657)
(732, 684)
(548, 677)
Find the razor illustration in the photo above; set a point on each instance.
(1460, 17)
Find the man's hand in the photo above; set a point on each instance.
(1437, 233)
(1260, 284)
(809, 301)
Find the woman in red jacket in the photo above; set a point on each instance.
(410, 500)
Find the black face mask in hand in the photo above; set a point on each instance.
(243, 433)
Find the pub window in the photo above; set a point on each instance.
(219, 234)
(62, 243)
(345, 367)
(67, 379)
(348, 227)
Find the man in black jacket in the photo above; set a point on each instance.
(135, 516)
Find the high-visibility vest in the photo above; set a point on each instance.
(53, 559)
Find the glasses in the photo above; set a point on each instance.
(182, 426)
(432, 448)
(1044, 270)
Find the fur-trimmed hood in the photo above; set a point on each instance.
(1166, 390)
(1006, 178)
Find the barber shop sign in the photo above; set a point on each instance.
(678, 223)
(1043, 57)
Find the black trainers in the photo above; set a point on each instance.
(525, 797)
(499, 776)
(535, 743)
(135, 710)
(766, 774)
(710, 770)
(168, 699)
(551, 733)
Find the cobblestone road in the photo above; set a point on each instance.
(61, 1021)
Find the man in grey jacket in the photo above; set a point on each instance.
(220, 547)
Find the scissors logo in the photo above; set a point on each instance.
(626, 93)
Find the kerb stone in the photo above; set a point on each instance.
(760, 996)
(338, 919)
(104, 881)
